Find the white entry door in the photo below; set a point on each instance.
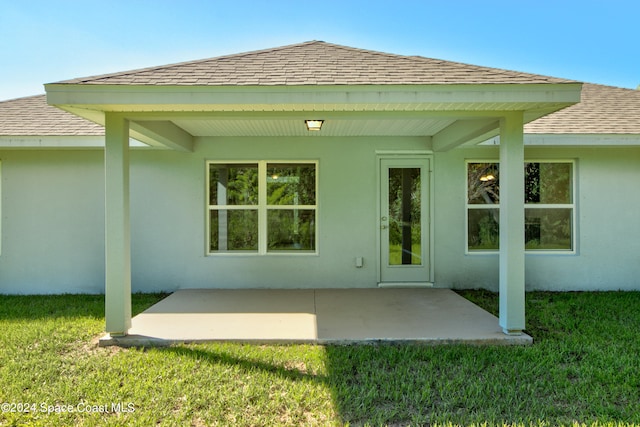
(404, 220)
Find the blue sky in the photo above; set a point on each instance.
(43, 41)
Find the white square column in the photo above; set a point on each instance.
(117, 226)
(512, 296)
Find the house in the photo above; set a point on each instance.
(317, 165)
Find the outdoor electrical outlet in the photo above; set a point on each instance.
(359, 262)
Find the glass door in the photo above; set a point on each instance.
(404, 225)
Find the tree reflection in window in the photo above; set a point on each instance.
(262, 207)
(549, 206)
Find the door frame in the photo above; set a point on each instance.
(418, 155)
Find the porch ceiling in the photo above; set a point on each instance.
(332, 127)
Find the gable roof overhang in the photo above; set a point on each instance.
(448, 115)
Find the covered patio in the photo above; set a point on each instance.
(376, 108)
(319, 316)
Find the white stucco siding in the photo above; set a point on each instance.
(608, 227)
(53, 219)
(608, 206)
(52, 222)
(169, 216)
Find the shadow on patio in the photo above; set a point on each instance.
(322, 316)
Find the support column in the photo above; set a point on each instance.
(512, 296)
(117, 237)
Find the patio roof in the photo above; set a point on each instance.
(271, 92)
(315, 63)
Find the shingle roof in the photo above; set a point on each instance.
(32, 116)
(315, 63)
(602, 110)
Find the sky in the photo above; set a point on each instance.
(45, 41)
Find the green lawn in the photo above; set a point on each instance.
(584, 368)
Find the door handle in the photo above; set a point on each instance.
(383, 226)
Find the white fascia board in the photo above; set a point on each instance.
(48, 141)
(209, 98)
(589, 140)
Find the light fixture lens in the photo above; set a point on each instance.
(314, 125)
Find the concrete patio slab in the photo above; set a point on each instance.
(323, 316)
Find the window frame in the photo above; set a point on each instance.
(572, 206)
(262, 208)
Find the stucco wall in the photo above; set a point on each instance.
(608, 223)
(169, 241)
(53, 219)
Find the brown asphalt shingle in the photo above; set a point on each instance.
(602, 110)
(32, 116)
(315, 63)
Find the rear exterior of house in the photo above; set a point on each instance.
(400, 187)
(53, 221)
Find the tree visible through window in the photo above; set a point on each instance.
(262, 207)
(549, 206)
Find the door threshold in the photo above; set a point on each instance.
(405, 285)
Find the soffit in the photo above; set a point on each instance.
(333, 127)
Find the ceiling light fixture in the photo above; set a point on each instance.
(314, 125)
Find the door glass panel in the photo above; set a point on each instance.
(405, 234)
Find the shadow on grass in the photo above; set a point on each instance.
(582, 368)
(291, 373)
(576, 372)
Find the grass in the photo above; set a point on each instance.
(583, 369)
